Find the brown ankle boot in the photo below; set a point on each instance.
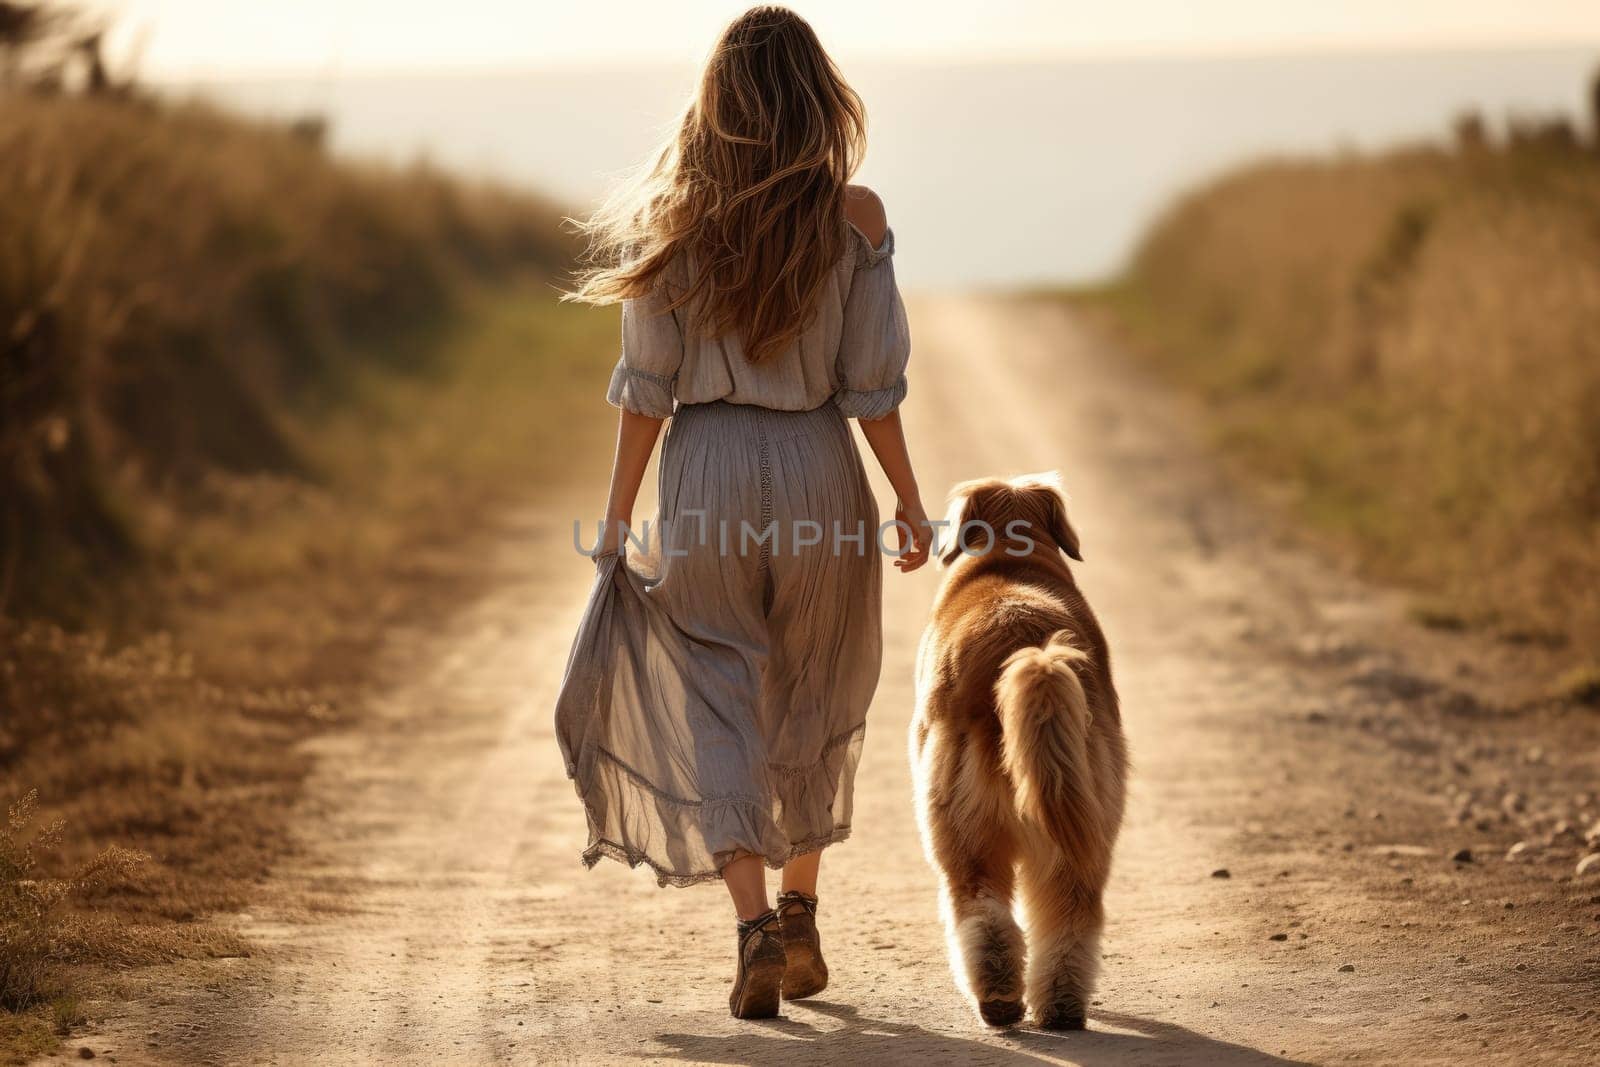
(760, 975)
(806, 972)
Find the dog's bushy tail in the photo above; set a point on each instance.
(1044, 723)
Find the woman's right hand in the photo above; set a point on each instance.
(915, 553)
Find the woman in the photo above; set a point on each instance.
(714, 702)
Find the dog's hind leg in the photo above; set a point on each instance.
(986, 946)
(971, 839)
(1064, 912)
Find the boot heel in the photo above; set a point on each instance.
(758, 996)
(758, 982)
(806, 972)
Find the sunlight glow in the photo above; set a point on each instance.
(225, 38)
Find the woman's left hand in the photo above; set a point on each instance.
(915, 553)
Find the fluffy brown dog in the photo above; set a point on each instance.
(1018, 754)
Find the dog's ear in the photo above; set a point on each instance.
(1046, 489)
(954, 516)
(963, 509)
(1060, 528)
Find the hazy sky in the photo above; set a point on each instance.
(197, 38)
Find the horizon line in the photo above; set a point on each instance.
(1020, 58)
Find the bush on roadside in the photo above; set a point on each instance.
(39, 931)
(1411, 341)
(248, 390)
(173, 282)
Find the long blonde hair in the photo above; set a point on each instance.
(749, 192)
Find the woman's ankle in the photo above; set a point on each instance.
(745, 877)
(800, 874)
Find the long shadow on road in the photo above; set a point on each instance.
(861, 1039)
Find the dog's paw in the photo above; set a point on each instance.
(1000, 1012)
(1063, 1017)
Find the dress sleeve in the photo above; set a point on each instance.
(652, 353)
(875, 343)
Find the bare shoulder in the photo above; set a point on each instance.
(865, 211)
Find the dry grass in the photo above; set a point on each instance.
(1411, 343)
(172, 282)
(254, 401)
(182, 741)
(41, 936)
(38, 931)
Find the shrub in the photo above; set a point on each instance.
(1411, 342)
(38, 930)
(174, 284)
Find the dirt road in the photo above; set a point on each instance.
(1287, 724)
